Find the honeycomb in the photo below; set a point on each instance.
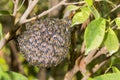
(45, 43)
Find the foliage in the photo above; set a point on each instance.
(97, 29)
(92, 26)
(109, 76)
(9, 75)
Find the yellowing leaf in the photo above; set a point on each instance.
(92, 8)
(115, 69)
(117, 20)
(72, 7)
(95, 12)
(111, 41)
(110, 76)
(94, 34)
(1, 34)
(82, 16)
(89, 2)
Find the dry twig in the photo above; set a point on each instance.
(31, 5)
(15, 7)
(115, 8)
(46, 12)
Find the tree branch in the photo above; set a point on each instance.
(31, 5)
(15, 7)
(46, 12)
(69, 75)
(98, 66)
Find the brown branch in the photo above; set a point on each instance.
(98, 66)
(82, 48)
(83, 61)
(42, 74)
(103, 50)
(90, 56)
(16, 63)
(69, 75)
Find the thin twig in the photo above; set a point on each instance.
(21, 5)
(46, 12)
(31, 5)
(15, 7)
(74, 3)
(51, 9)
(90, 56)
(118, 6)
(98, 66)
(115, 8)
(102, 51)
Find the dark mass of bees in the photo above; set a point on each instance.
(45, 43)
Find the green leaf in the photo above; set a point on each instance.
(117, 21)
(115, 70)
(92, 8)
(4, 13)
(95, 12)
(72, 7)
(1, 33)
(90, 79)
(1, 71)
(112, 76)
(111, 41)
(10, 75)
(94, 34)
(3, 64)
(16, 76)
(89, 2)
(82, 16)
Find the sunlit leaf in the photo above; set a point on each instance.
(81, 16)
(89, 2)
(5, 76)
(16, 76)
(72, 7)
(117, 20)
(3, 64)
(9, 75)
(112, 76)
(115, 70)
(95, 12)
(1, 33)
(92, 8)
(111, 41)
(1, 71)
(94, 34)
(90, 79)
